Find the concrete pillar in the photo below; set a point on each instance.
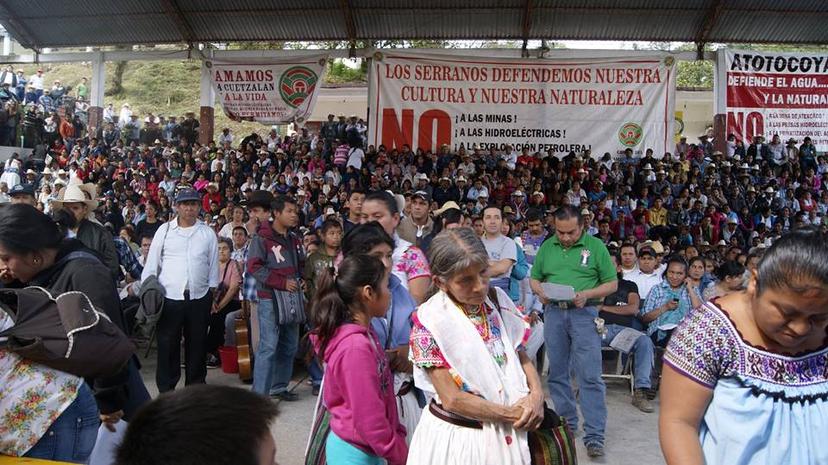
(206, 114)
(96, 94)
(7, 44)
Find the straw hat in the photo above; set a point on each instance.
(73, 193)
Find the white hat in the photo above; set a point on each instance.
(744, 166)
(47, 170)
(73, 193)
(61, 172)
(721, 242)
(647, 167)
(769, 190)
(421, 177)
(31, 171)
(330, 211)
(300, 193)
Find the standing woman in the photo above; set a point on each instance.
(468, 354)
(745, 379)
(410, 264)
(669, 302)
(149, 225)
(358, 390)
(35, 250)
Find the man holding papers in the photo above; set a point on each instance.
(582, 267)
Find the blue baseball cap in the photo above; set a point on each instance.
(22, 189)
(187, 195)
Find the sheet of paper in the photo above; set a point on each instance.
(559, 292)
(625, 340)
(668, 326)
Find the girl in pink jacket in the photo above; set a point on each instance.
(359, 389)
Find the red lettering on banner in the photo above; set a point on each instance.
(397, 133)
(426, 129)
(745, 127)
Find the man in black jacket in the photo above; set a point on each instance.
(79, 200)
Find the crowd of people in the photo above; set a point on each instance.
(427, 282)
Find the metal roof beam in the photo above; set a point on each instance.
(350, 26)
(708, 23)
(24, 34)
(526, 26)
(174, 11)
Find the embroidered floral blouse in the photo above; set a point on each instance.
(425, 353)
(32, 396)
(780, 402)
(409, 262)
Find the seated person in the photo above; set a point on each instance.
(669, 302)
(618, 311)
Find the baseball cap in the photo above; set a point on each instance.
(187, 195)
(646, 250)
(423, 195)
(22, 189)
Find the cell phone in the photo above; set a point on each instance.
(675, 299)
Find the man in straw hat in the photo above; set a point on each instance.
(79, 201)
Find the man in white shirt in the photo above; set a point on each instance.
(646, 276)
(355, 157)
(184, 257)
(226, 137)
(628, 260)
(36, 81)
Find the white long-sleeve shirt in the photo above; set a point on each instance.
(190, 259)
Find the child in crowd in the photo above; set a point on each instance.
(359, 392)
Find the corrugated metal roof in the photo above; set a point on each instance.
(47, 23)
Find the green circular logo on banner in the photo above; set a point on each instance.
(296, 84)
(630, 134)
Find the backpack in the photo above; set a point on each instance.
(66, 332)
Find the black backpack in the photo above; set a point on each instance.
(66, 332)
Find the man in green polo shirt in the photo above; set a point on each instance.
(577, 259)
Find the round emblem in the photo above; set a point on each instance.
(296, 85)
(669, 61)
(630, 134)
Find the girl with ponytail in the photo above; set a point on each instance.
(359, 390)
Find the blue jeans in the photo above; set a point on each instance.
(571, 340)
(643, 352)
(73, 434)
(315, 372)
(277, 349)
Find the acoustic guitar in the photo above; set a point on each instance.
(243, 349)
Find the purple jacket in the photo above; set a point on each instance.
(359, 394)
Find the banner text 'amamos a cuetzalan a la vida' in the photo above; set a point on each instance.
(272, 91)
(546, 105)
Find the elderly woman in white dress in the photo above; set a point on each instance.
(466, 347)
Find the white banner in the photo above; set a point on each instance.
(767, 93)
(566, 104)
(275, 91)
